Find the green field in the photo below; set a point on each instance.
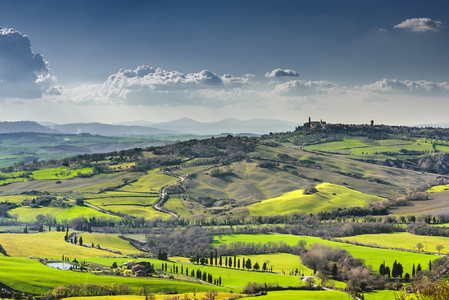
(109, 241)
(438, 188)
(328, 197)
(146, 212)
(380, 295)
(29, 275)
(220, 296)
(58, 173)
(109, 201)
(281, 262)
(153, 181)
(358, 147)
(306, 295)
(28, 214)
(373, 257)
(402, 240)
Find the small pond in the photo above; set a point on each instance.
(60, 265)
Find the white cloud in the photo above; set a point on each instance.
(155, 86)
(420, 25)
(408, 86)
(23, 74)
(301, 87)
(282, 73)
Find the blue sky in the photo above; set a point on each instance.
(112, 61)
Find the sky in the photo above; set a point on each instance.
(347, 61)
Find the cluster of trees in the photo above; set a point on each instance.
(201, 275)
(84, 290)
(229, 262)
(187, 242)
(396, 271)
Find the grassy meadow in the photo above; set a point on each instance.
(328, 197)
(306, 295)
(402, 240)
(373, 257)
(31, 276)
(28, 214)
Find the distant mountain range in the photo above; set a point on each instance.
(24, 126)
(436, 125)
(234, 126)
(109, 130)
(144, 128)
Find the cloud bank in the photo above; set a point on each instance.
(23, 74)
(305, 88)
(421, 87)
(282, 73)
(420, 25)
(154, 86)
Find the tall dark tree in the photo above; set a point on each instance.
(81, 240)
(248, 264)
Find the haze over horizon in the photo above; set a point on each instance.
(157, 61)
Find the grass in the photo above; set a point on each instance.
(220, 296)
(109, 201)
(109, 241)
(46, 244)
(59, 173)
(153, 181)
(174, 203)
(328, 197)
(281, 262)
(380, 295)
(403, 240)
(28, 214)
(373, 257)
(306, 295)
(232, 278)
(438, 188)
(137, 211)
(33, 277)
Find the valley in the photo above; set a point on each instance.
(306, 213)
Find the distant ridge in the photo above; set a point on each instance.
(109, 130)
(436, 125)
(235, 126)
(24, 126)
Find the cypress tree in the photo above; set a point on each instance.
(413, 271)
(220, 261)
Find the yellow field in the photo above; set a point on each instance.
(402, 240)
(46, 244)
